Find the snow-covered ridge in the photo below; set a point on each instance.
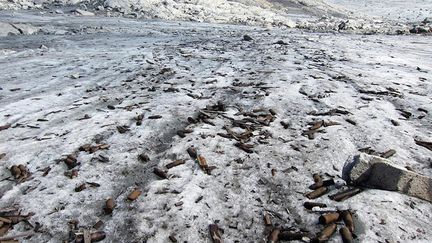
(316, 15)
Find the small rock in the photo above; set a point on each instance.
(376, 172)
(122, 129)
(83, 12)
(281, 42)
(75, 76)
(144, 157)
(247, 38)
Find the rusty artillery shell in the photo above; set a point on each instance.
(23, 169)
(15, 171)
(317, 125)
(162, 174)
(267, 220)
(71, 161)
(4, 229)
(318, 182)
(5, 220)
(317, 193)
(346, 235)
(97, 236)
(80, 187)
(192, 152)
(202, 162)
(340, 196)
(85, 147)
(175, 163)
(348, 220)
(215, 233)
(327, 232)
(289, 236)
(310, 205)
(109, 206)
(274, 236)
(134, 195)
(329, 218)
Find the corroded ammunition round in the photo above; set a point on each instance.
(15, 171)
(317, 193)
(327, 232)
(310, 205)
(109, 206)
(274, 236)
(348, 220)
(346, 235)
(329, 218)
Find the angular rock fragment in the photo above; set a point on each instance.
(376, 172)
(215, 233)
(122, 129)
(388, 153)
(247, 38)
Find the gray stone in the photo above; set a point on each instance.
(84, 12)
(376, 172)
(7, 29)
(26, 29)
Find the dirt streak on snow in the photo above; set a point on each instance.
(131, 64)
